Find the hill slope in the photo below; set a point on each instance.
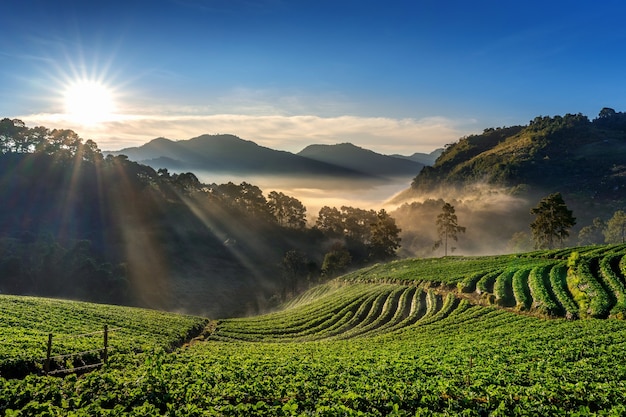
(439, 354)
(569, 154)
(389, 297)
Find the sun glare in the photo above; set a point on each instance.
(88, 102)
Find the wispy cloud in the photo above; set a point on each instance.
(291, 133)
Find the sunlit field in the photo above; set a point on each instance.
(531, 334)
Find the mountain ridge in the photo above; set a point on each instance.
(229, 153)
(361, 159)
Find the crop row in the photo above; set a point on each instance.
(77, 326)
(371, 309)
(514, 280)
(592, 286)
(474, 361)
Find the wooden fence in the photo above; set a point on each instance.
(103, 351)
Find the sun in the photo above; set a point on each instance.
(88, 102)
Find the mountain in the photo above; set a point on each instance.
(504, 172)
(423, 158)
(358, 159)
(569, 154)
(228, 153)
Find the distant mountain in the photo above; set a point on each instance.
(427, 159)
(230, 154)
(356, 158)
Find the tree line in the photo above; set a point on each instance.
(138, 229)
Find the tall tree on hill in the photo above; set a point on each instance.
(447, 227)
(552, 222)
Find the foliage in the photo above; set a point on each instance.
(390, 339)
(384, 240)
(553, 221)
(63, 144)
(537, 156)
(336, 261)
(39, 264)
(447, 227)
(592, 234)
(369, 236)
(296, 268)
(288, 211)
(75, 224)
(30, 319)
(615, 228)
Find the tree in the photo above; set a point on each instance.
(447, 227)
(246, 198)
(606, 113)
(187, 182)
(12, 133)
(336, 260)
(615, 230)
(295, 266)
(330, 222)
(592, 234)
(288, 211)
(553, 221)
(384, 239)
(357, 223)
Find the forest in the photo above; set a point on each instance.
(75, 224)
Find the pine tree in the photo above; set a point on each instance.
(552, 222)
(447, 227)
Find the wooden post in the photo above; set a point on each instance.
(105, 351)
(46, 365)
(469, 377)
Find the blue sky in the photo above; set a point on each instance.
(393, 76)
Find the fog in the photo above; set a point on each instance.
(496, 220)
(317, 192)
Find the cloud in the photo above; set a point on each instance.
(284, 132)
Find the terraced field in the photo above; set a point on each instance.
(538, 334)
(389, 297)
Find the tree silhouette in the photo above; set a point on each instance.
(447, 227)
(384, 239)
(289, 211)
(552, 222)
(615, 231)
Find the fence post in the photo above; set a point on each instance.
(46, 365)
(105, 351)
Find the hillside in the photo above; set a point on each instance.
(77, 326)
(452, 336)
(78, 225)
(495, 178)
(390, 297)
(362, 160)
(581, 158)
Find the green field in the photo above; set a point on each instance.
(536, 334)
